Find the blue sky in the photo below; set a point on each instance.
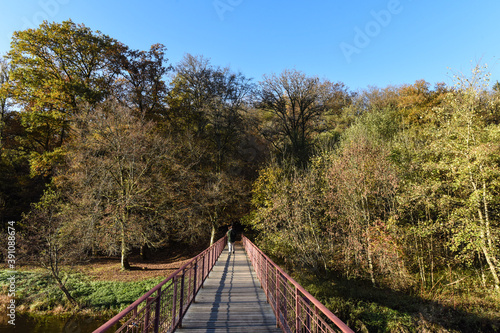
(358, 42)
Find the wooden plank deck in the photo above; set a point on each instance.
(231, 300)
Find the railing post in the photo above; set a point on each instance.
(276, 299)
(190, 286)
(214, 257)
(147, 314)
(157, 312)
(195, 287)
(207, 259)
(297, 311)
(203, 271)
(308, 311)
(209, 268)
(174, 305)
(181, 300)
(261, 267)
(267, 281)
(211, 258)
(285, 302)
(316, 315)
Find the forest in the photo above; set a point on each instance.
(106, 150)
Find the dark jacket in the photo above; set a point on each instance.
(231, 236)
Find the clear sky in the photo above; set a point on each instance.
(359, 42)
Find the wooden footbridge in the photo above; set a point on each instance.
(219, 291)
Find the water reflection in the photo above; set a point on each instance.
(52, 324)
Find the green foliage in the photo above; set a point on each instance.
(299, 110)
(56, 67)
(368, 309)
(407, 199)
(59, 64)
(36, 291)
(116, 169)
(110, 295)
(396, 185)
(208, 108)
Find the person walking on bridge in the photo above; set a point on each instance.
(231, 238)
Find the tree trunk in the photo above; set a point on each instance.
(212, 235)
(366, 217)
(370, 262)
(492, 267)
(145, 252)
(54, 269)
(489, 239)
(125, 253)
(67, 294)
(485, 235)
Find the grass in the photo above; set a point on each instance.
(100, 286)
(368, 309)
(36, 292)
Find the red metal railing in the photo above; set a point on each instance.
(161, 309)
(296, 310)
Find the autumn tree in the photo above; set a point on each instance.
(207, 104)
(340, 212)
(289, 217)
(295, 102)
(142, 82)
(209, 101)
(446, 159)
(4, 107)
(496, 86)
(58, 67)
(115, 178)
(4, 97)
(334, 120)
(469, 146)
(55, 67)
(17, 189)
(47, 241)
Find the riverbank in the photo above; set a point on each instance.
(100, 287)
(31, 323)
(37, 293)
(365, 308)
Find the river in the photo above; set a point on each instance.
(51, 324)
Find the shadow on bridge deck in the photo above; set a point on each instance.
(231, 299)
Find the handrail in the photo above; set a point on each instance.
(162, 308)
(295, 309)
